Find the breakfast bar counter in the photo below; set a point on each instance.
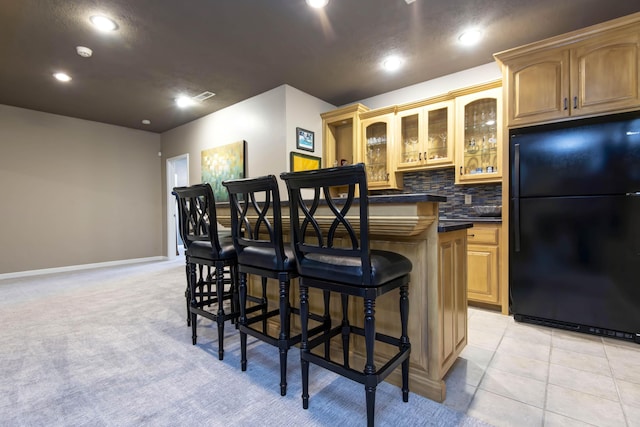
(408, 224)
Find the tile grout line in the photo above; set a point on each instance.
(484, 371)
(546, 383)
(615, 382)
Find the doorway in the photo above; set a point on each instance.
(177, 176)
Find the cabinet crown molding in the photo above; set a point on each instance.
(378, 112)
(353, 108)
(570, 38)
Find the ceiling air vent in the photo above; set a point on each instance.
(204, 95)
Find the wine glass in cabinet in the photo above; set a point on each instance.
(479, 137)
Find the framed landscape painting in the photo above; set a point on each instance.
(222, 163)
(304, 162)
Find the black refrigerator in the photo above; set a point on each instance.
(574, 222)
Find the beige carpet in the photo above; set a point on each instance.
(110, 347)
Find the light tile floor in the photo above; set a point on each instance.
(517, 374)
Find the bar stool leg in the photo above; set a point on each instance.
(192, 287)
(219, 276)
(187, 293)
(284, 334)
(345, 329)
(304, 324)
(370, 368)
(265, 305)
(243, 320)
(235, 297)
(209, 281)
(404, 339)
(327, 322)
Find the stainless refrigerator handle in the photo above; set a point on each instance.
(516, 197)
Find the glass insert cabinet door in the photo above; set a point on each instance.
(424, 137)
(479, 138)
(376, 135)
(379, 151)
(411, 138)
(439, 143)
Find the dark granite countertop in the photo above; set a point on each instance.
(445, 226)
(392, 198)
(407, 198)
(490, 219)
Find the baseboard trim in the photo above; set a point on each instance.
(79, 267)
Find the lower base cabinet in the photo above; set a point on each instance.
(483, 269)
(452, 296)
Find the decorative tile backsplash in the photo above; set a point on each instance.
(441, 182)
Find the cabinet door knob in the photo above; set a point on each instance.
(461, 170)
(575, 102)
(565, 104)
(420, 156)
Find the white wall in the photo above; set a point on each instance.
(267, 122)
(440, 86)
(303, 110)
(259, 120)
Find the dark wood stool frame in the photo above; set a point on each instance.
(203, 247)
(256, 227)
(354, 271)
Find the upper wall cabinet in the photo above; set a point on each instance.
(341, 136)
(379, 149)
(479, 137)
(424, 136)
(587, 72)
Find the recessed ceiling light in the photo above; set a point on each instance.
(470, 37)
(63, 77)
(103, 23)
(392, 63)
(146, 122)
(184, 101)
(317, 4)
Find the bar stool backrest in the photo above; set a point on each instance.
(197, 215)
(343, 232)
(256, 220)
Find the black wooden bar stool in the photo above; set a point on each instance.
(205, 249)
(256, 227)
(332, 251)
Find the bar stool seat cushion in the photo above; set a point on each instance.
(202, 249)
(266, 258)
(385, 267)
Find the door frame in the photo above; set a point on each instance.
(171, 205)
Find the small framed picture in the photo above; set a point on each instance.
(304, 139)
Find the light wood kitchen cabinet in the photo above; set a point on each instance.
(483, 263)
(379, 149)
(587, 72)
(341, 137)
(479, 135)
(424, 136)
(452, 296)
